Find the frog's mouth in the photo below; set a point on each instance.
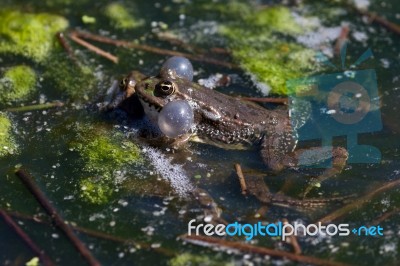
(152, 105)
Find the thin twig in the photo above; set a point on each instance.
(174, 40)
(278, 198)
(266, 100)
(242, 180)
(93, 48)
(247, 248)
(35, 107)
(380, 20)
(32, 245)
(358, 202)
(97, 234)
(61, 39)
(151, 49)
(28, 181)
(385, 216)
(293, 240)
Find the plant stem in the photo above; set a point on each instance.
(35, 107)
(247, 248)
(28, 181)
(32, 245)
(358, 202)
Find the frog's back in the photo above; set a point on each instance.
(229, 120)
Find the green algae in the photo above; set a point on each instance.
(77, 81)
(191, 259)
(279, 19)
(105, 153)
(262, 42)
(262, 48)
(29, 35)
(276, 65)
(96, 191)
(17, 84)
(120, 17)
(227, 10)
(33, 262)
(7, 143)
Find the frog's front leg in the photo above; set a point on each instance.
(277, 151)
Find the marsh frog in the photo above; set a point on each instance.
(222, 120)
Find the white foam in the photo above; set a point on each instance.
(173, 173)
(361, 4)
(263, 87)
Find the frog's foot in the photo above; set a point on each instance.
(257, 187)
(212, 213)
(339, 156)
(122, 95)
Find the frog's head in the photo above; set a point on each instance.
(155, 92)
(173, 83)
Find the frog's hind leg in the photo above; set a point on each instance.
(277, 152)
(338, 155)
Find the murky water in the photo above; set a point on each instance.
(145, 201)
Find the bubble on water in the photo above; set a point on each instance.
(163, 166)
(176, 118)
(155, 245)
(174, 173)
(179, 66)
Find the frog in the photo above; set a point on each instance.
(224, 121)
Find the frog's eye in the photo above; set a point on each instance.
(164, 88)
(123, 83)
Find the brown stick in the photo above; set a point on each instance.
(93, 48)
(266, 100)
(35, 107)
(247, 248)
(242, 181)
(385, 216)
(61, 39)
(18, 230)
(176, 41)
(151, 49)
(97, 234)
(28, 181)
(380, 20)
(358, 202)
(293, 240)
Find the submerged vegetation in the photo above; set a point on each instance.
(261, 42)
(105, 154)
(77, 81)
(17, 84)
(261, 48)
(7, 143)
(120, 16)
(29, 35)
